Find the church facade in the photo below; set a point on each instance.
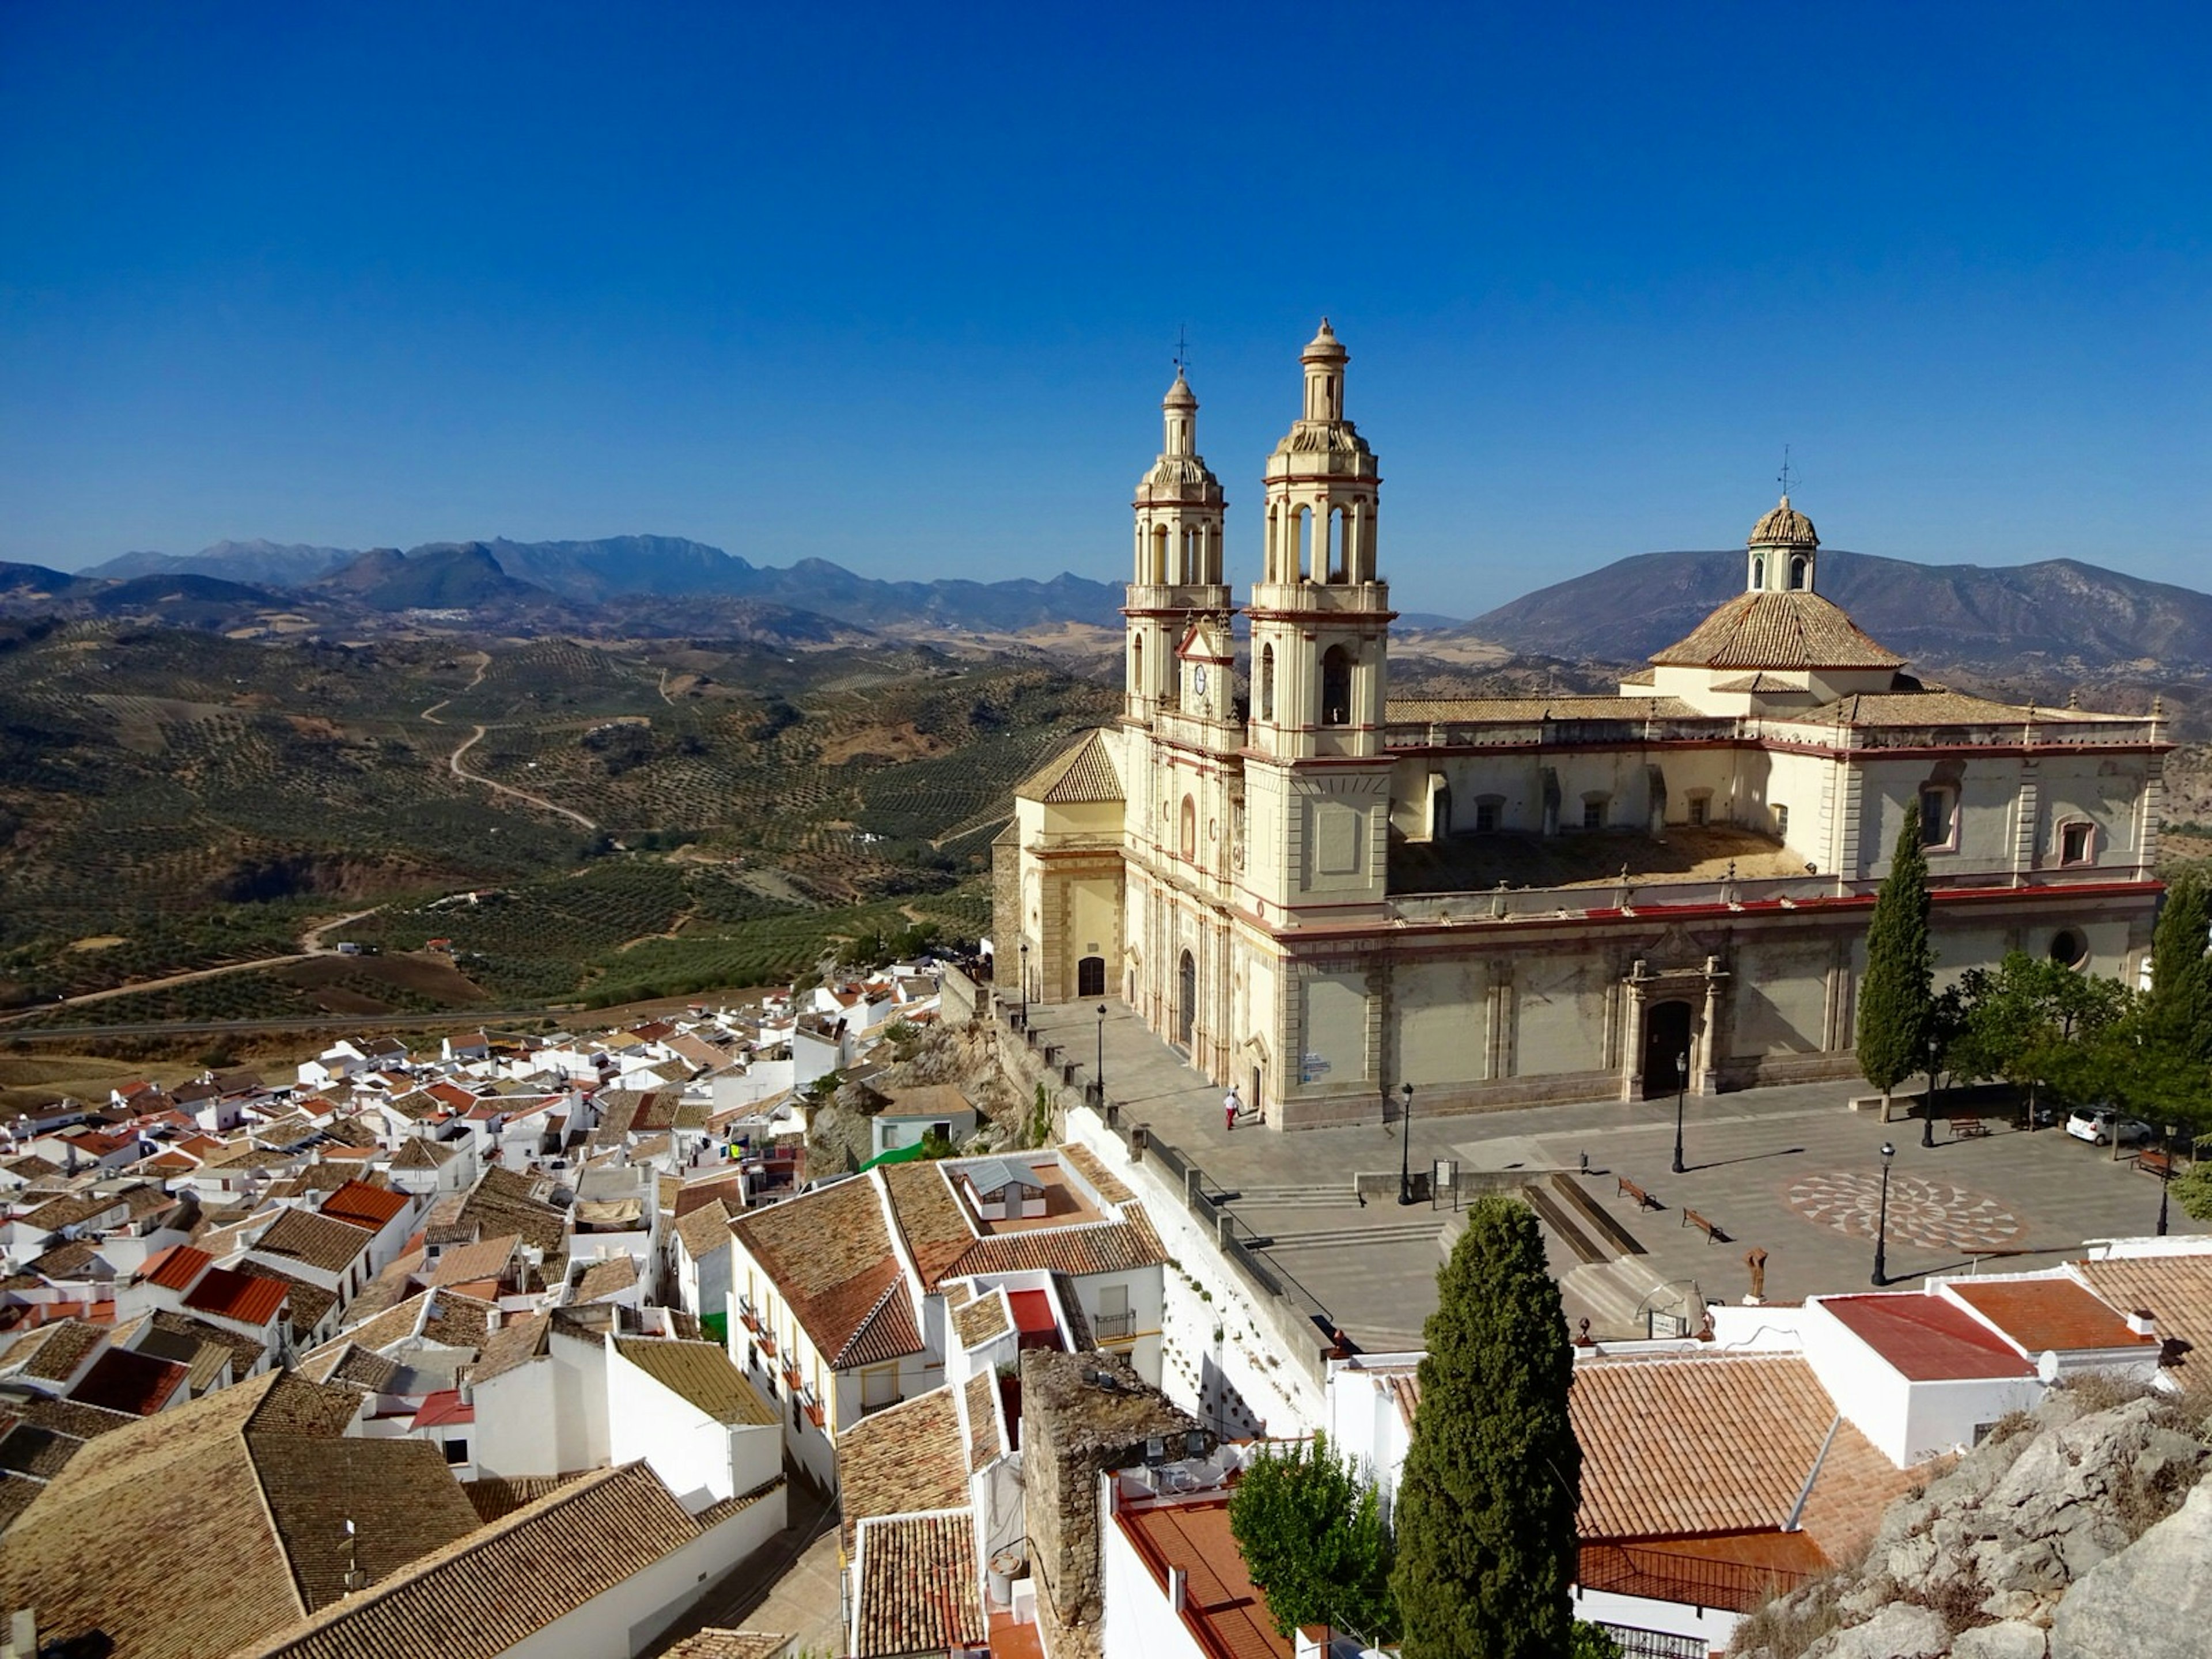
(1321, 894)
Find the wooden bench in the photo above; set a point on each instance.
(2155, 1163)
(1644, 1200)
(1691, 1219)
(1969, 1127)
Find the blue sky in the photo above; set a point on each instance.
(900, 287)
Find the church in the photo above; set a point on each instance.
(1321, 894)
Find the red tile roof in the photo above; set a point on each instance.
(1927, 1338)
(177, 1267)
(2049, 1313)
(364, 1205)
(238, 1296)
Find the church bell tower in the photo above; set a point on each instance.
(1176, 581)
(1316, 774)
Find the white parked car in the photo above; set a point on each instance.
(2099, 1125)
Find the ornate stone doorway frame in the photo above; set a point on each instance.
(1700, 987)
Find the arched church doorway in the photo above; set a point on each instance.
(1090, 977)
(1186, 998)
(1666, 1048)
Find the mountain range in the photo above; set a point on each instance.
(445, 576)
(2059, 613)
(2058, 616)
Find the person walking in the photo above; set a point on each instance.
(1230, 1108)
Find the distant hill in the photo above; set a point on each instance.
(2058, 612)
(29, 580)
(260, 564)
(177, 588)
(464, 576)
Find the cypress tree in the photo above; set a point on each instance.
(1897, 998)
(2181, 971)
(1486, 1501)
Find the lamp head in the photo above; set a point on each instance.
(1406, 1090)
(1681, 1065)
(1888, 1151)
(1102, 1010)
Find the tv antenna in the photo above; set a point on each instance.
(1789, 474)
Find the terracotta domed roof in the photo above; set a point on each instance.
(1796, 629)
(1783, 527)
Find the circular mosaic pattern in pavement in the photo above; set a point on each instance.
(1932, 1214)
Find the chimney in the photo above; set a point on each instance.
(2144, 1323)
(1177, 1581)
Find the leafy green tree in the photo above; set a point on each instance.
(2193, 1192)
(1487, 1503)
(1897, 998)
(1593, 1642)
(1312, 1536)
(2023, 1019)
(2179, 1015)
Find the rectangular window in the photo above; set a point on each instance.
(1485, 817)
(1782, 823)
(1699, 806)
(456, 1451)
(1594, 812)
(1939, 818)
(2076, 843)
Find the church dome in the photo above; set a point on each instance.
(1783, 527)
(1324, 346)
(1180, 396)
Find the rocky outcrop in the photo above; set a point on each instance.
(2058, 1535)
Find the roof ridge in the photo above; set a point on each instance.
(860, 1328)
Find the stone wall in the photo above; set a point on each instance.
(1074, 1429)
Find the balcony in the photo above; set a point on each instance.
(768, 1343)
(1114, 1327)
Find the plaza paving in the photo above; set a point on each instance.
(1793, 1171)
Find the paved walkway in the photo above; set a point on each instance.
(789, 1586)
(1790, 1170)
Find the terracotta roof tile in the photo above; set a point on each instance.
(139, 1383)
(53, 1352)
(985, 1444)
(232, 1295)
(315, 1240)
(918, 1591)
(981, 1320)
(365, 1205)
(2176, 1289)
(1082, 772)
(1796, 629)
(902, 1460)
(700, 1373)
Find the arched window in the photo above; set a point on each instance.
(1137, 664)
(1758, 571)
(1273, 561)
(1336, 686)
(1189, 828)
(1301, 551)
(1159, 554)
(1798, 569)
(1267, 681)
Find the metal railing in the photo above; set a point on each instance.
(1701, 1581)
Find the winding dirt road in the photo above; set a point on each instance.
(475, 736)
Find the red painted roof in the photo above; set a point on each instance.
(1221, 1608)
(123, 1380)
(235, 1295)
(364, 1205)
(1032, 1312)
(2049, 1313)
(1928, 1339)
(177, 1267)
(443, 1407)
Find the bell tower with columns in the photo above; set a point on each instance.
(1317, 778)
(1177, 580)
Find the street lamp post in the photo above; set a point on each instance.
(1406, 1144)
(1101, 1053)
(1881, 1225)
(1682, 1088)
(2165, 1175)
(1928, 1106)
(1025, 985)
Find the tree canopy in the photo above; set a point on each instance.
(1487, 1503)
(1897, 998)
(2179, 1014)
(1313, 1538)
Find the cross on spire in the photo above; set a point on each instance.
(1183, 349)
(1789, 474)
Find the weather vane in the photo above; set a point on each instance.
(1788, 475)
